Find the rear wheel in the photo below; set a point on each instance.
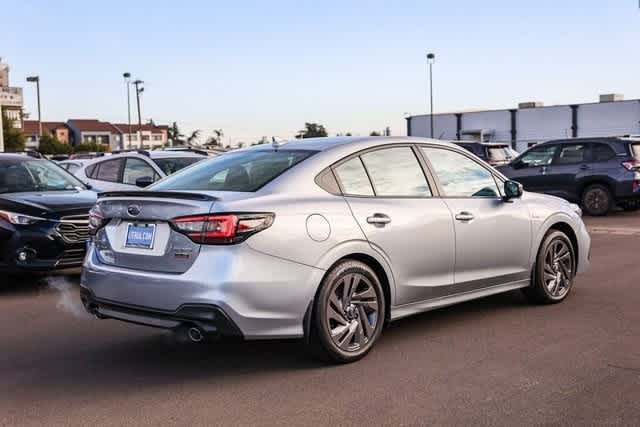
(348, 314)
(554, 272)
(597, 200)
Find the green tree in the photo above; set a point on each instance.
(215, 140)
(374, 133)
(193, 138)
(14, 139)
(91, 147)
(174, 135)
(51, 145)
(312, 130)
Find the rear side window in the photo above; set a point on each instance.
(572, 154)
(602, 153)
(396, 172)
(109, 170)
(244, 171)
(353, 178)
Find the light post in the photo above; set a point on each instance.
(127, 82)
(36, 80)
(431, 58)
(139, 89)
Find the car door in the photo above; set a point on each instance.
(105, 175)
(532, 167)
(571, 164)
(392, 201)
(493, 237)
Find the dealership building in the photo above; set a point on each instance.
(532, 122)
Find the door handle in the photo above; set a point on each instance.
(464, 216)
(379, 220)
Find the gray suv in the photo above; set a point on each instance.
(327, 239)
(596, 172)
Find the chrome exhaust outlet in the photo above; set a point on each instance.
(194, 334)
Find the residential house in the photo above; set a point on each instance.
(85, 131)
(58, 130)
(145, 136)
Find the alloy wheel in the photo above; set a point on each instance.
(597, 200)
(558, 268)
(352, 312)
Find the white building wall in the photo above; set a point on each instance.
(535, 125)
(609, 118)
(444, 126)
(497, 121)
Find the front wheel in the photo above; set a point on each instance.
(348, 314)
(554, 271)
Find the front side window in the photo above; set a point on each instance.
(459, 175)
(539, 156)
(245, 171)
(572, 154)
(396, 172)
(353, 178)
(34, 175)
(137, 168)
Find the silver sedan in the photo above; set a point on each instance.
(325, 239)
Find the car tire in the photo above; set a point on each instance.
(554, 271)
(597, 200)
(348, 313)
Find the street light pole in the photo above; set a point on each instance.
(36, 79)
(139, 90)
(430, 60)
(127, 82)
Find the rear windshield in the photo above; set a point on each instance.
(501, 153)
(241, 171)
(172, 165)
(635, 150)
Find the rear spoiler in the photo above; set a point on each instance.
(156, 195)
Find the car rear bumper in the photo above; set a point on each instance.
(261, 295)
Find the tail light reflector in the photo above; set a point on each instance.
(221, 229)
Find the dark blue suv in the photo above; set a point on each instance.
(595, 172)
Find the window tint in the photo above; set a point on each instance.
(540, 156)
(354, 178)
(137, 168)
(109, 170)
(239, 171)
(602, 153)
(460, 176)
(396, 172)
(34, 175)
(172, 165)
(572, 154)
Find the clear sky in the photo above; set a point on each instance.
(264, 68)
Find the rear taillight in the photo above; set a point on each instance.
(96, 221)
(632, 165)
(221, 229)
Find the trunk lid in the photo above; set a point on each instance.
(138, 234)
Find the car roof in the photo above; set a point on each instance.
(591, 139)
(344, 143)
(18, 156)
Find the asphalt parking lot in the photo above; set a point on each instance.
(496, 361)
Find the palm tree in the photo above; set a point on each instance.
(174, 135)
(216, 139)
(193, 138)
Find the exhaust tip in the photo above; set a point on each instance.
(195, 334)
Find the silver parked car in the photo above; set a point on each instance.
(131, 170)
(327, 239)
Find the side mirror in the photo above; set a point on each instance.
(512, 190)
(144, 181)
(89, 186)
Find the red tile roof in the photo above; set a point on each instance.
(124, 128)
(92, 125)
(30, 127)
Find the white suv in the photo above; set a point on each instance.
(132, 170)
